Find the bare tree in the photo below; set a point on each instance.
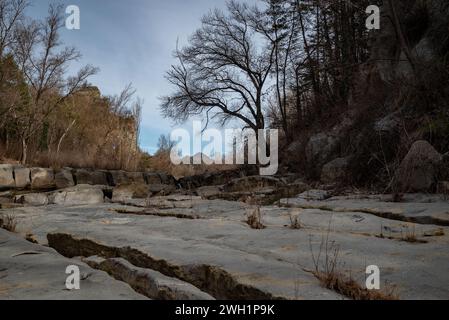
(11, 13)
(223, 72)
(44, 64)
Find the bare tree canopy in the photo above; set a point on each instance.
(223, 71)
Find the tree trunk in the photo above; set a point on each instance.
(24, 151)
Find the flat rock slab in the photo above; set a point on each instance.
(220, 254)
(151, 283)
(31, 271)
(417, 209)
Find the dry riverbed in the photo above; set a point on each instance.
(184, 247)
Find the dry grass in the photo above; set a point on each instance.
(410, 236)
(352, 289)
(295, 223)
(330, 277)
(9, 223)
(254, 218)
(31, 238)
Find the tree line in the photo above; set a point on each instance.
(49, 115)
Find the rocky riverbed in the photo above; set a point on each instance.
(187, 246)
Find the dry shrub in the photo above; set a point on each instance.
(9, 223)
(31, 238)
(295, 223)
(332, 278)
(254, 218)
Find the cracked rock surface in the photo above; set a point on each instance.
(220, 255)
(31, 271)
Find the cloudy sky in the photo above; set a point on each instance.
(132, 41)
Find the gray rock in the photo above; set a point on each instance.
(120, 177)
(100, 177)
(209, 191)
(22, 177)
(164, 188)
(32, 199)
(335, 171)
(314, 195)
(64, 179)
(419, 169)
(127, 192)
(6, 177)
(42, 179)
(83, 176)
(152, 178)
(34, 272)
(151, 283)
(79, 195)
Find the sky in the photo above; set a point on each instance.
(132, 41)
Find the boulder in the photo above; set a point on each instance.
(22, 177)
(6, 177)
(335, 171)
(64, 179)
(167, 179)
(119, 178)
(152, 178)
(78, 195)
(42, 179)
(97, 177)
(320, 147)
(131, 191)
(419, 169)
(100, 178)
(33, 199)
(161, 188)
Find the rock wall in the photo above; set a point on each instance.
(41, 179)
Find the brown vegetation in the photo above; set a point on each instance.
(331, 277)
(49, 118)
(254, 218)
(8, 222)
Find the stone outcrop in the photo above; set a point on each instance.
(64, 179)
(150, 283)
(92, 177)
(22, 177)
(42, 179)
(33, 199)
(32, 271)
(419, 169)
(131, 191)
(7, 177)
(78, 195)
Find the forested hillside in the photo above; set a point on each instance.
(50, 117)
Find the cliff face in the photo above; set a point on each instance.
(400, 97)
(412, 31)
